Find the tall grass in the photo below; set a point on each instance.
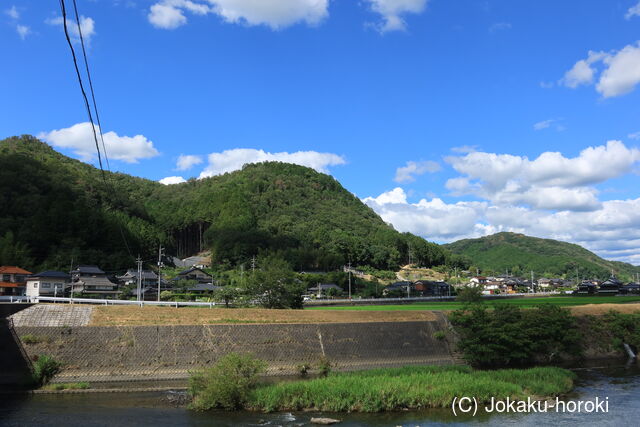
(408, 387)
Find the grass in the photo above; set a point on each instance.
(67, 386)
(33, 339)
(563, 301)
(409, 387)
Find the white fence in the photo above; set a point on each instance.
(441, 298)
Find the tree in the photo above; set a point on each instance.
(274, 285)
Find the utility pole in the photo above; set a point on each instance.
(160, 265)
(349, 279)
(70, 272)
(253, 264)
(531, 279)
(139, 286)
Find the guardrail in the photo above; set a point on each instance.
(14, 298)
(440, 298)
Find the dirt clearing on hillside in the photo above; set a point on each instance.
(599, 309)
(133, 315)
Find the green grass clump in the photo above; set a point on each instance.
(409, 387)
(33, 339)
(44, 368)
(67, 386)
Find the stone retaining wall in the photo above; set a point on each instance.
(112, 353)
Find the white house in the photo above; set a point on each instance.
(47, 283)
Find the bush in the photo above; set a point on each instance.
(469, 294)
(33, 339)
(509, 336)
(226, 384)
(439, 335)
(324, 366)
(44, 368)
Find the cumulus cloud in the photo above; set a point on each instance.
(612, 231)
(231, 160)
(551, 181)
(12, 12)
(172, 180)
(87, 26)
(186, 162)
(500, 26)
(409, 172)
(633, 11)
(79, 139)
(23, 31)
(392, 12)
(620, 71)
(276, 14)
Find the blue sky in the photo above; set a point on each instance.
(443, 116)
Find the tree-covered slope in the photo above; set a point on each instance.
(522, 254)
(53, 209)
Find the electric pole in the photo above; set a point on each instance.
(160, 265)
(139, 286)
(349, 279)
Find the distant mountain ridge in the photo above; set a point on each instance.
(521, 254)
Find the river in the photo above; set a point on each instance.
(621, 385)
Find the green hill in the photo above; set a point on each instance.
(522, 254)
(55, 210)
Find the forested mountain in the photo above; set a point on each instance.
(522, 254)
(55, 210)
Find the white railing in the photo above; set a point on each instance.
(440, 298)
(14, 298)
(123, 302)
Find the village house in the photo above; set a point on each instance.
(321, 289)
(194, 273)
(427, 288)
(13, 280)
(149, 278)
(91, 280)
(478, 281)
(48, 284)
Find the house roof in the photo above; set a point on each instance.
(11, 269)
(146, 274)
(204, 287)
(325, 286)
(96, 281)
(8, 285)
(50, 273)
(88, 269)
(189, 270)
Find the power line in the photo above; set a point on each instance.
(87, 105)
(93, 96)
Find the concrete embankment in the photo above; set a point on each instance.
(120, 353)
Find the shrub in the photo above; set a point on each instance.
(324, 366)
(44, 368)
(469, 294)
(509, 336)
(439, 335)
(303, 369)
(226, 384)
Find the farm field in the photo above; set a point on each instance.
(563, 301)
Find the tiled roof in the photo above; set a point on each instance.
(50, 273)
(9, 285)
(10, 269)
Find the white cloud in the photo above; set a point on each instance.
(186, 162)
(500, 26)
(634, 135)
(87, 26)
(79, 139)
(620, 71)
(12, 12)
(633, 11)
(612, 231)
(408, 173)
(231, 160)
(276, 14)
(23, 31)
(465, 149)
(393, 10)
(551, 181)
(543, 124)
(172, 180)
(547, 85)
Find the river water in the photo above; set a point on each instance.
(621, 385)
